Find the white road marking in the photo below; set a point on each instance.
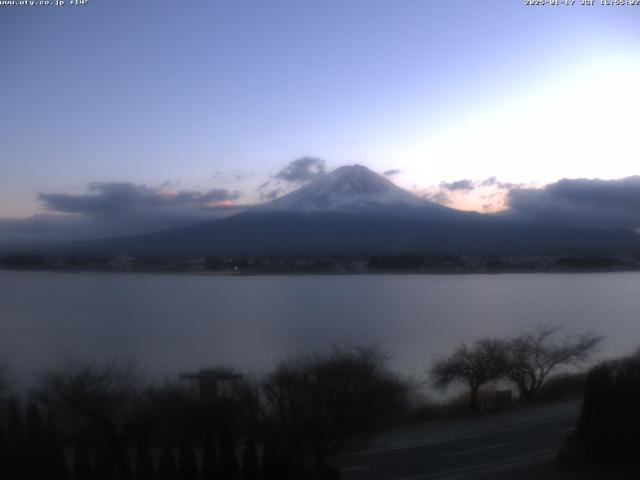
(473, 450)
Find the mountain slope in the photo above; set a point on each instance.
(284, 233)
(353, 211)
(349, 188)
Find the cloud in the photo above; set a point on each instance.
(458, 185)
(489, 182)
(297, 173)
(231, 176)
(125, 198)
(468, 185)
(508, 185)
(40, 229)
(269, 190)
(270, 195)
(111, 209)
(391, 173)
(302, 170)
(581, 202)
(493, 182)
(438, 197)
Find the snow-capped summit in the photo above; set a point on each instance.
(355, 212)
(346, 188)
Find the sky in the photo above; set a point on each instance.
(209, 102)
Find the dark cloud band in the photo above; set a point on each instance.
(581, 202)
(121, 198)
(458, 185)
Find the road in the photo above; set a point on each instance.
(478, 453)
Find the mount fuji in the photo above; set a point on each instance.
(354, 211)
(349, 188)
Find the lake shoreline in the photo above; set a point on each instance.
(295, 273)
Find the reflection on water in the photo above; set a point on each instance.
(171, 323)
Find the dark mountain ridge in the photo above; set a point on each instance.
(353, 211)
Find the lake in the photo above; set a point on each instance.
(171, 323)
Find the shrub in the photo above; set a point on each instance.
(610, 419)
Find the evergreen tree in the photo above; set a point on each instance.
(145, 468)
(36, 442)
(82, 467)
(4, 454)
(187, 462)
(167, 469)
(209, 459)
(285, 468)
(104, 469)
(228, 461)
(16, 436)
(596, 412)
(3, 444)
(610, 419)
(55, 461)
(270, 464)
(16, 445)
(59, 468)
(250, 466)
(124, 465)
(36, 437)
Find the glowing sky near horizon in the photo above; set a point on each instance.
(222, 94)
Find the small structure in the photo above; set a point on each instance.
(208, 379)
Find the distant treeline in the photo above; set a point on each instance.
(330, 264)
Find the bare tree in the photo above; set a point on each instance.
(534, 355)
(317, 404)
(95, 401)
(174, 409)
(474, 366)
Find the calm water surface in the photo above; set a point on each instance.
(172, 323)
